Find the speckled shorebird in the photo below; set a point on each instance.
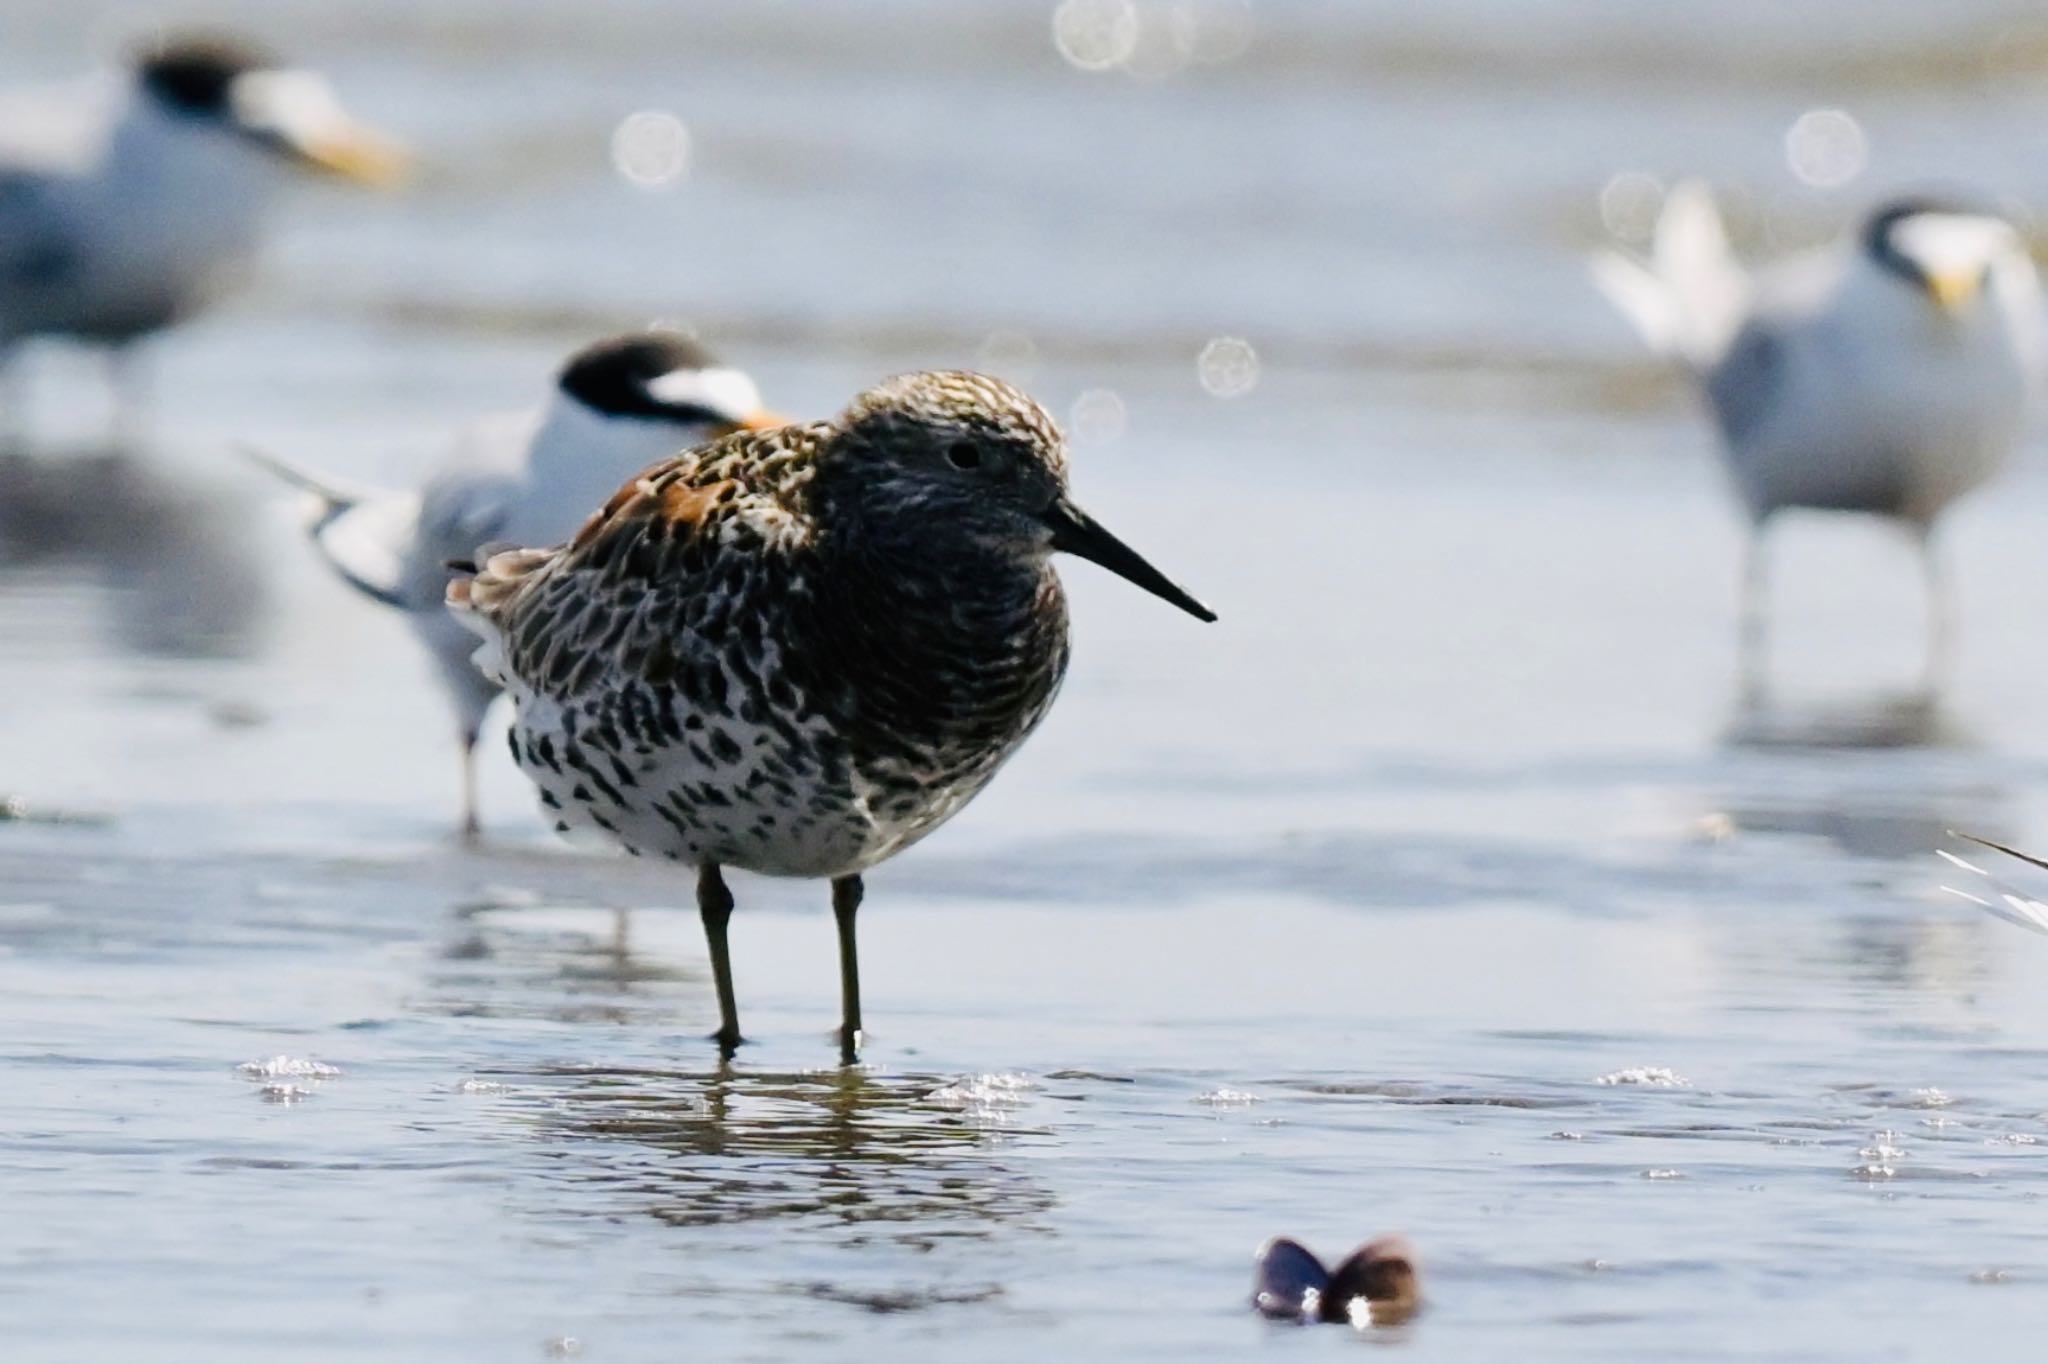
(115, 225)
(1888, 375)
(799, 651)
(619, 405)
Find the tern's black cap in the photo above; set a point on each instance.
(611, 376)
(193, 74)
(1878, 227)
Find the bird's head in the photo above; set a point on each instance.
(235, 89)
(972, 456)
(659, 378)
(1946, 251)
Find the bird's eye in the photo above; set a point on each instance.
(964, 454)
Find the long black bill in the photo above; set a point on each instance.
(1076, 532)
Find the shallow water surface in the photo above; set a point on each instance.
(1441, 887)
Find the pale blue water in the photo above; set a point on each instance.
(1445, 822)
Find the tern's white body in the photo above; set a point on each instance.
(132, 230)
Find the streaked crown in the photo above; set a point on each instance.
(962, 421)
(948, 465)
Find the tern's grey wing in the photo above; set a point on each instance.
(36, 249)
(1747, 382)
(467, 504)
(363, 533)
(370, 544)
(48, 140)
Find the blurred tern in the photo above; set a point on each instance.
(140, 225)
(619, 405)
(1888, 375)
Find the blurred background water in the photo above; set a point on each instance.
(1441, 887)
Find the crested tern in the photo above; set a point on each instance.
(135, 226)
(1887, 375)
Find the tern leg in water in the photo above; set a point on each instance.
(128, 380)
(13, 400)
(472, 826)
(1940, 614)
(1754, 637)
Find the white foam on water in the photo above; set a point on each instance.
(1226, 1098)
(986, 1096)
(287, 1067)
(1657, 1077)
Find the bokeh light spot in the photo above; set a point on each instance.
(1009, 354)
(1097, 417)
(1211, 32)
(651, 149)
(1095, 35)
(1228, 367)
(1629, 204)
(1826, 148)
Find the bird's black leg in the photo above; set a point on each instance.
(472, 829)
(846, 895)
(714, 902)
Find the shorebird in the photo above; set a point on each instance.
(118, 234)
(619, 405)
(1376, 1285)
(799, 651)
(1888, 375)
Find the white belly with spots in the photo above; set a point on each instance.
(743, 795)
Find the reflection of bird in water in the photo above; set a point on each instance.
(799, 651)
(1376, 1285)
(135, 230)
(1887, 376)
(1875, 720)
(180, 582)
(619, 405)
(845, 1147)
